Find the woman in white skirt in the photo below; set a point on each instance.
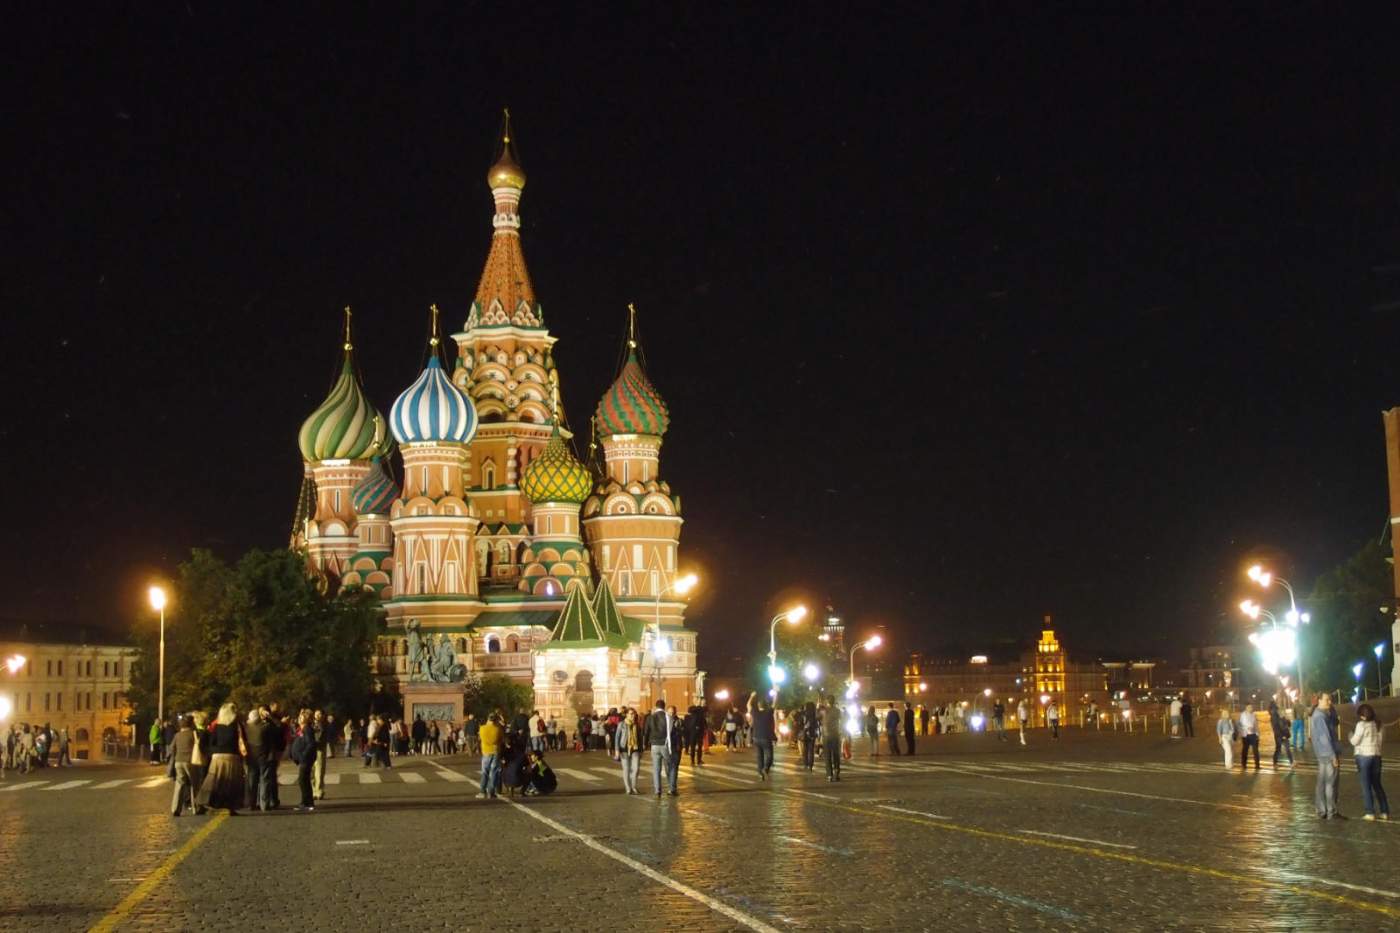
(223, 784)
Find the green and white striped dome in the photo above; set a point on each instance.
(345, 426)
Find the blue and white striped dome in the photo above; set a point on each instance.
(433, 410)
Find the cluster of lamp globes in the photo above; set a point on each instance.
(14, 664)
(1278, 644)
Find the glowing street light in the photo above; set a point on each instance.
(987, 692)
(776, 674)
(157, 597)
(811, 672)
(15, 662)
(1265, 579)
(923, 687)
(870, 644)
(721, 695)
(1278, 648)
(792, 616)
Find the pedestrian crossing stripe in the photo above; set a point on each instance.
(412, 777)
(24, 785)
(105, 785)
(287, 778)
(155, 782)
(578, 775)
(67, 784)
(331, 779)
(454, 776)
(369, 777)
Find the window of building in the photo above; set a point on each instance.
(58, 698)
(106, 668)
(46, 702)
(60, 668)
(493, 644)
(48, 668)
(28, 702)
(104, 701)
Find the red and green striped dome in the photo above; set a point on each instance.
(632, 405)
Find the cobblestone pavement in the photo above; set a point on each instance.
(1091, 832)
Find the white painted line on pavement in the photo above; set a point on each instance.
(1096, 842)
(287, 778)
(331, 779)
(813, 845)
(932, 816)
(456, 776)
(1308, 879)
(24, 785)
(1121, 793)
(352, 842)
(109, 784)
(579, 775)
(67, 784)
(810, 793)
(369, 777)
(155, 782)
(748, 920)
(412, 777)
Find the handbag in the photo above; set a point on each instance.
(197, 754)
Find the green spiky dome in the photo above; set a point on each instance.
(555, 475)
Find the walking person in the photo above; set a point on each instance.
(182, 748)
(223, 786)
(1225, 731)
(999, 720)
(831, 717)
(490, 737)
(872, 729)
(1279, 727)
(909, 727)
(629, 750)
(1366, 739)
(1023, 715)
(731, 730)
(765, 733)
(810, 729)
(1249, 737)
(892, 728)
(1052, 716)
(1300, 717)
(1327, 749)
(303, 754)
(659, 736)
(923, 721)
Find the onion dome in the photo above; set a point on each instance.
(375, 493)
(506, 173)
(345, 426)
(632, 405)
(555, 475)
(433, 410)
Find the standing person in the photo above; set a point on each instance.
(154, 737)
(551, 733)
(892, 728)
(1327, 749)
(1249, 732)
(303, 754)
(872, 729)
(1225, 731)
(999, 720)
(658, 738)
(629, 750)
(64, 761)
(831, 716)
(1023, 715)
(610, 731)
(1052, 715)
(585, 729)
(810, 730)
(908, 727)
(1175, 713)
(473, 733)
(1279, 728)
(695, 735)
(1300, 716)
(764, 731)
(276, 748)
(321, 735)
(673, 759)
(490, 736)
(1366, 738)
(258, 745)
(181, 749)
(537, 731)
(1188, 714)
(519, 731)
(223, 785)
(419, 735)
(731, 730)
(923, 721)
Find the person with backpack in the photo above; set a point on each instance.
(810, 730)
(585, 729)
(830, 729)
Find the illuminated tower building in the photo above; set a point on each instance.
(632, 521)
(504, 364)
(1049, 672)
(434, 523)
(556, 484)
(336, 441)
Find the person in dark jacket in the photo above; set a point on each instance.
(519, 731)
(1187, 712)
(259, 744)
(695, 736)
(764, 731)
(892, 729)
(420, 735)
(303, 755)
(540, 780)
(182, 746)
(277, 747)
(909, 728)
(809, 730)
(1278, 726)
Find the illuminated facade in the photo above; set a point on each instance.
(499, 548)
(75, 686)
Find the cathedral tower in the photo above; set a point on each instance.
(504, 364)
(433, 521)
(336, 443)
(556, 485)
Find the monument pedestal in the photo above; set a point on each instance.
(443, 702)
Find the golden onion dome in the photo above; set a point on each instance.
(506, 173)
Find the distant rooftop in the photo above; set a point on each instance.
(59, 633)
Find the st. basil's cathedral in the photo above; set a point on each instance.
(499, 552)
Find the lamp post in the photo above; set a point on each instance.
(811, 672)
(661, 649)
(1294, 618)
(1356, 670)
(157, 596)
(776, 674)
(1379, 649)
(869, 644)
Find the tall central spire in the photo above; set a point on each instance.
(505, 296)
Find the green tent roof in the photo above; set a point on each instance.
(578, 626)
(606, 611)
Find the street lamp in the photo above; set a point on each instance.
(1379, 649)
(660, 651)
(721, 695)
(660, 648)
(1264, 578)
(157, 597)
(869, 644)
(1356, 670)
(811, 672)
(14, 662)
(793, 616)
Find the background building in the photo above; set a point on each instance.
(69, 681)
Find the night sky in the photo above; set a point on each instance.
(962, 320)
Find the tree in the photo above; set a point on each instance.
(1349, 606)
(485, 695)
(260, 631)
(798, 645)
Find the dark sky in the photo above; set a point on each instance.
(962, 318)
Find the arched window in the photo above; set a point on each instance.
(493, 644)
(512, 643)
(488, 475)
